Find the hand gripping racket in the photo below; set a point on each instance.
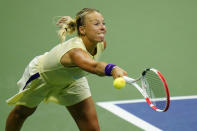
(154, 89)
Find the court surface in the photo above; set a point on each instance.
(140, 34)
(181, 115)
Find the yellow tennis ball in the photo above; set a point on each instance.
(119, 83)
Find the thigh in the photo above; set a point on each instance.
(23, 111)
(84, 114)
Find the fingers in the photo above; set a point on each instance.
(118, 72)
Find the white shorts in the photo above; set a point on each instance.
(34, 90)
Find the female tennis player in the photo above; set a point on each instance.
(59, 75)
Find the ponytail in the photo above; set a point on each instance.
(67, 25)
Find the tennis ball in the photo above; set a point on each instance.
(119, 83)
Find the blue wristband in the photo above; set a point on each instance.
(108, 69)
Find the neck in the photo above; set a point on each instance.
(90, 45)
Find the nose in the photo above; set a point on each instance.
(103, 27)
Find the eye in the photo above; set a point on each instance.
(96, 23)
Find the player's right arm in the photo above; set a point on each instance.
(80, 58)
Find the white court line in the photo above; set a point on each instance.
(110, 106)
(128, 116)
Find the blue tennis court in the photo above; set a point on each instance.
(181, 115)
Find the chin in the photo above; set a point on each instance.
(97, 40)
(101, 40)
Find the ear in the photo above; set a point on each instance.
(82, 30)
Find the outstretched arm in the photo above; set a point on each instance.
(80, 58)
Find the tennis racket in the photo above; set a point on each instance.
(153, 87)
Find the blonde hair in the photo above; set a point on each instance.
(69, 25)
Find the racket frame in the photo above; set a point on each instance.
(133, 82)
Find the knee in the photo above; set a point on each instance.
(92, 126)
(22, 112)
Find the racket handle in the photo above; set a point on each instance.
(128, 79)
(133, 82)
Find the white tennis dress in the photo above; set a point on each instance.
(45, 78)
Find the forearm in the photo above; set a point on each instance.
(103, 69)
(81, 59)
(99, 68)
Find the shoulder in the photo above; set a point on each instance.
(74, 42)
(68, 47)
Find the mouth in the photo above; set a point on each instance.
(101, 36)
(101, 33)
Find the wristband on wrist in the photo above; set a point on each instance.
(108, 69)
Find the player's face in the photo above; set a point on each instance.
(94, 27)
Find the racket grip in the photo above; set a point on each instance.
(128, 79)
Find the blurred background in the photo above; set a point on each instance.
(140, 34)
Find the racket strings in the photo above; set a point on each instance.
(155, 90)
